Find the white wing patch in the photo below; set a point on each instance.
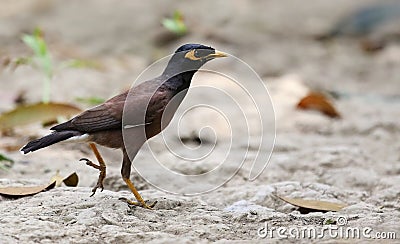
(81, 138)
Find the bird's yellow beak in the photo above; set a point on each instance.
(217, 54)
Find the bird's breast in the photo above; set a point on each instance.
(162, 111)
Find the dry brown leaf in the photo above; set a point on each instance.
(319, 102)
(25, 190)
(72, 180)
(315, 205)
(12, 148)
(57, 178)
(34, 113)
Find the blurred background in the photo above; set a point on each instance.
(332, 69)
(273, 37)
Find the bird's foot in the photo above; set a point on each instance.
(102, 174)
(97, 186)
(142, 204)
(137, 195)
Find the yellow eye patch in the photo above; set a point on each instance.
(190, 55)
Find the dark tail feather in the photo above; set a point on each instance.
(48, 140)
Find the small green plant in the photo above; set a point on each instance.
(5, 162)
(42, 60)
(330, 221)
(90, 100)
(42, 57)
(175, 24)
(44, 111)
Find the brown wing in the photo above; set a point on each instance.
(145, 103)
(106, 116)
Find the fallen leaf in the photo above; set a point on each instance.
(11, 147)
(313, 205)
(319, 102)
(372, 46)
(25, 190)
(72, 180)
(34, 113)
(57, 178)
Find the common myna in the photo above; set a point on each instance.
(143, 111)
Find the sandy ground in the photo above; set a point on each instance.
(353, 160)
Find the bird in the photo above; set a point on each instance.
(126, 121)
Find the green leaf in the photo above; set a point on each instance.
(41, 54)
(90, 100)
(79, 63)
(4, 158)
(31, 42)
(22, 61)
(5, 166)
(175, 24)
(329, 221)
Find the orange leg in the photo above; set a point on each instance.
(101, 167)
(138, 197)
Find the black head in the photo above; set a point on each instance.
(190, 57)
(191, 46)
(199, 52)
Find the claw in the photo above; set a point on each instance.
(96, 187)
(143, 205)
(153, 204)
(90, 163)
(102, 174)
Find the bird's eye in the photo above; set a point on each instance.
(196, 53)
(192, 55)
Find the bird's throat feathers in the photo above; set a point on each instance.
(179, 81)
(179, 71)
